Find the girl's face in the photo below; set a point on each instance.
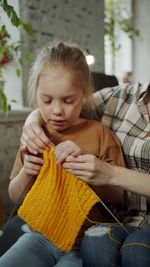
(60, 101)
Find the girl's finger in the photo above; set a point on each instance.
(32, 171)
(62, 155)
(33, 159)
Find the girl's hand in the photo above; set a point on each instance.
(89, 168)
(66, 148)
(34, 139)
(32, 163)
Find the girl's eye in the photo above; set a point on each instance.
(47, 101)
(68, 101)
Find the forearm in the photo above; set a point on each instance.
(130, 180)
(18, 184)
(99, 173)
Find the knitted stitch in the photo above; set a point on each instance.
(57, 204)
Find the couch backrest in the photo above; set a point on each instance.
(102, 80)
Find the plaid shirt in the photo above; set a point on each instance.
(123, 109)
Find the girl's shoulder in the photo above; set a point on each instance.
(102, 130)
(96, 124)
(98, 128)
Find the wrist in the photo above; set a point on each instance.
(24, 177)
(113, 175)
(119, 176)
(106, 173)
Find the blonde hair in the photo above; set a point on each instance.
(73, 59)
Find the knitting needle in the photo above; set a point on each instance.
(18, 201)
(15, 206)
(52, 144)
(20, 197)
(104, 205)
(115, 218)
(113, 215)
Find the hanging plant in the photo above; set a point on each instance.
(8, 50)
(117, 16)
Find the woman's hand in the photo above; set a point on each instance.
(34, 139)
(66, 148)
(32, 163)
(89, 168)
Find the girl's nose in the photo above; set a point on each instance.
(57, 108)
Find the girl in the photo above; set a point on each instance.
(60, 83)
(126, 110)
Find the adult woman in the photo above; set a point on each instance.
(126, 111)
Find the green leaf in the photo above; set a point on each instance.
(5, 106)
(14, 18)
(14, 101)
(7, 8)
(28, 56)
(3, 30)
(4, 4)
(18, 72)
(3, 96)
(9, 107)
(20, 61)
(28, 29)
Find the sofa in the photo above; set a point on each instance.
(101, 80)
(2, 217)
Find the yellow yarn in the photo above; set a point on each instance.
(57, 204)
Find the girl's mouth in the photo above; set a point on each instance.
(58, 122)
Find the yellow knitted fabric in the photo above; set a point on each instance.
(57, 204)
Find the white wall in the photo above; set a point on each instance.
(141, 50)
(122, 63)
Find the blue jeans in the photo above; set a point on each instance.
(34, 250)
(105, 246)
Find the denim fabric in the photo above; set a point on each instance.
(136, 249)
(105, 246)
(34, 250)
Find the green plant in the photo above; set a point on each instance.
(7, 50)
(10, 50)
(117, 16)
